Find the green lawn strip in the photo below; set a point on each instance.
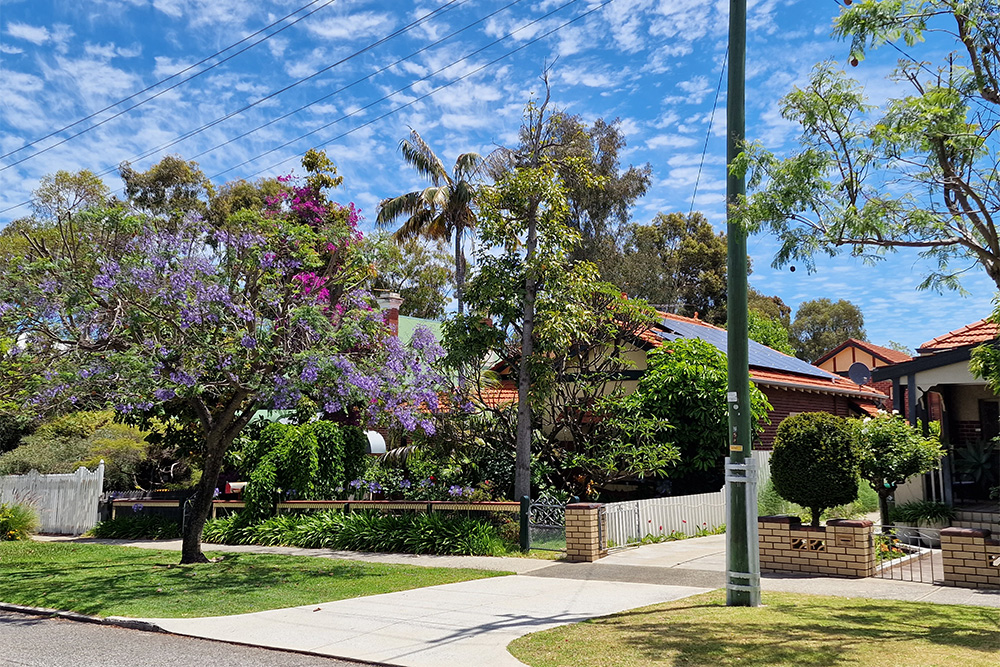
(789, 630)
(104, 580)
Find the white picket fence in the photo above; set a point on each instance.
(630, 521)
(65, 504)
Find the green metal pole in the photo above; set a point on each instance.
(738, 560)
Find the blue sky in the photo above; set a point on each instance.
(654, 64)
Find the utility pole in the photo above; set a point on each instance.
(742, 562)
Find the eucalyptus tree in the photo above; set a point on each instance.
(443, 210)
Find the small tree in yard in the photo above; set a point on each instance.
(220, 320)
(815, 462)
(892, 451)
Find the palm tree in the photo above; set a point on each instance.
(438, 211)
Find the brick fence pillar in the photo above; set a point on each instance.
(969, 555)
(583, 533)
(842, 548)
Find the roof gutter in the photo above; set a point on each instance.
(818, 390)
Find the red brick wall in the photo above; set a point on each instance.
(967, 431)
(786, 402)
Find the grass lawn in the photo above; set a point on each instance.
(105, 580)
(790, 630)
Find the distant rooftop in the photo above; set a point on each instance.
(971, 334)
(886, 354)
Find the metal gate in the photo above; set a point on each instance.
(906, 553)
(546, 523)
(624, 526)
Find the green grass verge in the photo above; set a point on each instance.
(789, 631)
(104, 580)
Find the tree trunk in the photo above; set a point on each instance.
(883, 506)
(522, 463)
(201, 505)
(816, 511)
(459, 271)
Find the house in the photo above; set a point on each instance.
(791, 385)
(969, 413)
(852, 351)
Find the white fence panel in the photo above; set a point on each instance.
(65, 504)
(632, 520)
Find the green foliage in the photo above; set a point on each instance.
(17, 521)
(891, 451)
(678, 262)
(815, 462)
(436, 533)
(420, 272)
(767, 331)
(84, 439)
(769, 503)
(686, 383)
(137, 527)
(921, 512)
(13, 427)
(821, 325)
(310, 460)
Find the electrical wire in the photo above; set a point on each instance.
(421, 97)
(425, 95)
(166, 90)
(161, 81)
(708, 134)
(320, 99)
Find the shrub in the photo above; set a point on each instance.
(16, 522)
(892, 451)
(137, 527)
(13, 427)
(436, 533)
(815, 463)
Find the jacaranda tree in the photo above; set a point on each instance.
(220, 321)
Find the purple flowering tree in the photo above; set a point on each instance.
(223, 321)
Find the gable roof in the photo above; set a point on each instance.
(886, 354)
(767, 367)
(971, 334)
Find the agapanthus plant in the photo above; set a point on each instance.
(137, 313)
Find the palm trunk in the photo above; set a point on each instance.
(522, 463)
(459, 271)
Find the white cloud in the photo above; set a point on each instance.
(355, 26)
(37, 35)
(670, 141)
(11, 50)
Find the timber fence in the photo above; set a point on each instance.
(65, 504)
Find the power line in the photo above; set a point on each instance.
(425, 95)
(222, 119)
(169, 88)
(399, 90)
(161, 81)
(708, 134)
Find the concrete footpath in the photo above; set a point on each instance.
(472, 622)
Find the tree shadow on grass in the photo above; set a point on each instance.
(810, 635)
(146, 583)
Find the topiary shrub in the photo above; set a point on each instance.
(815, 462)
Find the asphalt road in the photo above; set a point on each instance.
(33, 641)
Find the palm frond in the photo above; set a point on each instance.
(389, 210)
(467, 166)
(419, 155)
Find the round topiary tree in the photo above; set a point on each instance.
(815, 462)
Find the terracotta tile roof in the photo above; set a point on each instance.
(689, 320)
(886, 354)
(971, 334)
(836, 385)
(495, 396)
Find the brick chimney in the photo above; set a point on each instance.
(390, 303)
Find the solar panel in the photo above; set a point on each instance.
(761, 356)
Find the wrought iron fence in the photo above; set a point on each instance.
(908, 553)
(546, 524)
